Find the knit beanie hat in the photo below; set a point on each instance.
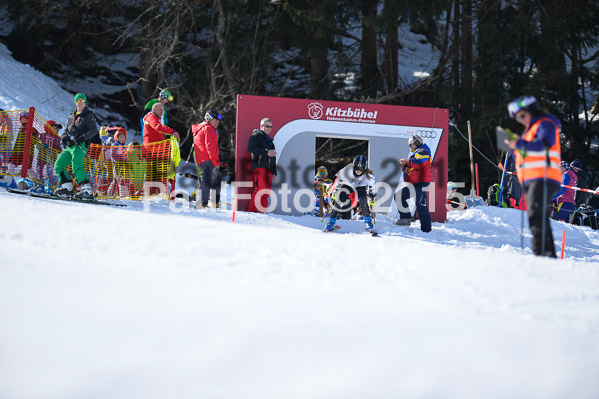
(80, 95)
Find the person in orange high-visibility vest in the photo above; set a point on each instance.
(538, 157)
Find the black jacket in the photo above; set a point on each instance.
(82, 128)
(258, 145)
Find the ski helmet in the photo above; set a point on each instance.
(416, 140)
(322, 172)
(166, 94)
(524, 103)
(360, 163)
(451, 186)
(120, 130)
(51, 127)
(212, 114)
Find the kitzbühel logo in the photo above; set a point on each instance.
(315, 110)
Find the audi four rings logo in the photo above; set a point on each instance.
(315, 110)
(427, 134)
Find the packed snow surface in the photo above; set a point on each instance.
(159, 300)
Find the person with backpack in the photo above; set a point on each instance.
(563, 201)
(493, 196)
(81, 130)
(538, 158)
(582, 181)
(354, 177)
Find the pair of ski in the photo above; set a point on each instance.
(56, 197)
(337, 227)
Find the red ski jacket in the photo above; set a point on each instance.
(205, 143)
(154, 130)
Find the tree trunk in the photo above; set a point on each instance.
(489, 77)
(466, 50)
(455, 60)
(369, 64)
(552, 63)
(390, 57)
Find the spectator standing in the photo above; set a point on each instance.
(355, 177)
(417, 171)
(154, 131)
(205, 146)
(538, 158)
(81, 129)
(163, 98)
(582, 181)
(264, 164)
(563, 200)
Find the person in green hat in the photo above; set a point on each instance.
(164, 97)
(81, 129)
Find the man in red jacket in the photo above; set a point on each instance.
(417, 171)
(205, 146)
(153, 132)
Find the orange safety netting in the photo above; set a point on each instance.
(120, 171)
(29, 148)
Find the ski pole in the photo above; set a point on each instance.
(544, 204)
(507, 155)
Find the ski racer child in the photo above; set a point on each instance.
(355, 177)
(321, 186)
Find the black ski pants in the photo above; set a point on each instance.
(534, 201)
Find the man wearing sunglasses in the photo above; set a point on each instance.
(81, 129)
(538, 157)
(264, 164)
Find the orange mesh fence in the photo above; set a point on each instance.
(120, 171)
(28, 147)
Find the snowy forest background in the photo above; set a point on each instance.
(470, 56)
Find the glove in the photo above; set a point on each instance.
(372, 198)
(66, 141)
(223, 167)
(78, 139)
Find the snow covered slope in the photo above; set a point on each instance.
(116, 302)
(22, 86)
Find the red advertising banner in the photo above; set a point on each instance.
(298, 122)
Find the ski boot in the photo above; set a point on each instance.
(65, 190)
(369, 225)
(403, 222)
(85, 193)
(331, 225)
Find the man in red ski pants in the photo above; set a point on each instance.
(264, 165)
